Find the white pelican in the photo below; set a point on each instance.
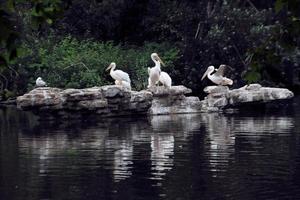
(40, 83)
(154, 72)
(218, 77)
(118, 75)
(124, 84)
(165, 79)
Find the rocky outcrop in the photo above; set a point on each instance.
(114, 100)
(109, 100)
(173, 100)
(220, 97)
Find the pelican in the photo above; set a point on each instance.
(118, 75)
(40, 83)
(165, 79)
(218, 77)
(124, 84)
(154, 72)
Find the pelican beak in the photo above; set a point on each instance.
(204, 75)
(108, 67)
(158, 58)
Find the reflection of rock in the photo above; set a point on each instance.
(260, 126)
(220, 97)
(111, 143)
(162, 147)
(184, 123)
(221, 140)
(223, 132)
(122, 158)
(48, 148)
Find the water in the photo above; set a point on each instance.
(208, 156)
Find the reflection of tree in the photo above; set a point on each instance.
(11, 122)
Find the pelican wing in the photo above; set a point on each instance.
(122, 75)
(221, 70)
(165, 79)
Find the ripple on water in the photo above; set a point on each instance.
(207, 156)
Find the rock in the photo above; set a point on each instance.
(221, 97)
(108, 100)
(216, 89)
(92, 104)
(174, 91)
(114, 100)
(141, 96)
(82, 94)
(111, 91)
(258, 94)
(140, 101)
(172, 101)
(39, 97)
(253, 87)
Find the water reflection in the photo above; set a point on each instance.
(220, 139)
(223, 131)
(165, 129)
(177, 156)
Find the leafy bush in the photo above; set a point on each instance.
(78, 64)
(276, 60)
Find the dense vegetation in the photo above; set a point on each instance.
(70, 43)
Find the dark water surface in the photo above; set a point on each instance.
(208, 156)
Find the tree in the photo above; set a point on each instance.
(41, 11)
(275, 62)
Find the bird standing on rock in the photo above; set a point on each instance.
(218, 77)
(40, 83)
(121, 77)
(154, 72)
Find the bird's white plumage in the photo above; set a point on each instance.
(125, 84)
(218, 77)
(121, 77)
(165, 79)
(154, 72)
(40, 83)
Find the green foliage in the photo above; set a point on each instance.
(8, 34)
(78, 64)
(45, 11)
(278, 54)
(41, 11)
